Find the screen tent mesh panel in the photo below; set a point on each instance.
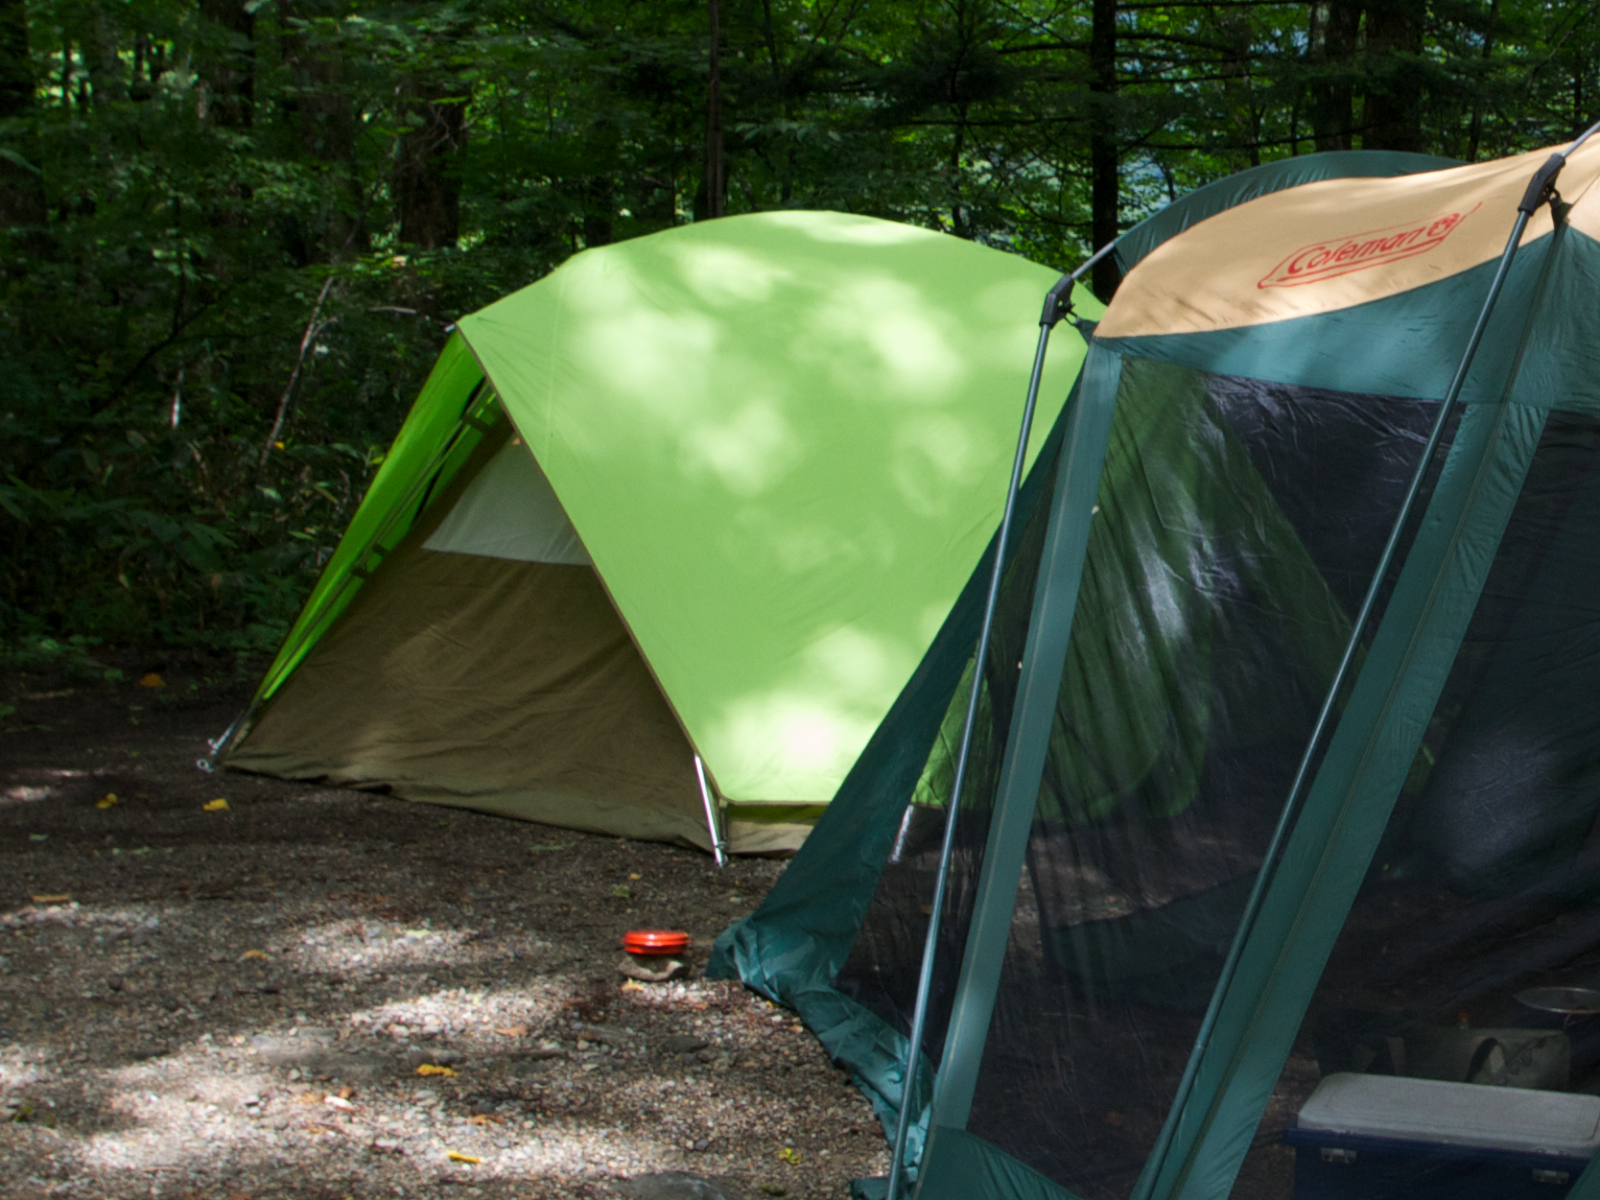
(1486, 885)
(1238, 523)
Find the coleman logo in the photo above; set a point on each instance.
(1361, 251)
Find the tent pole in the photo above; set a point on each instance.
(1057, 304)
(719, 847)
(1541, 189)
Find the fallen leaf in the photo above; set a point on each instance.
(109, 799)
(434, 1069)
(346, 1092)
(457, 1156)
(217, 805)
(636, 875)
(152, 680)
(485, 1119)
(61, 899)
(790, 1155)
(252, 954)
(513, 1031)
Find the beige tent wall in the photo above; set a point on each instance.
(506, 686)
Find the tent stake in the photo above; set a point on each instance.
(719, 848)
(1057, 304)
(1541, 189)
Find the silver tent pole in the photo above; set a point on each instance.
(1541, 189)
(719, 847)
(1057, 303)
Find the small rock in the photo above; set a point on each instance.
(660, 970)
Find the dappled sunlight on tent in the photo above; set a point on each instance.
(880, 338)
(664, 373)
(763, 430)
(748, 453)
(935, 460)
(723, 275)
(848, 230)
(817, 413)
(807, 727)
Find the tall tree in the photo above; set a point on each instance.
(1391, 118)
(21, 188)
(1104, 158)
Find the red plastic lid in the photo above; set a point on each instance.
(655, 941)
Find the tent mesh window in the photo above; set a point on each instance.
(1248, 518)
(881, 971)
(1469, 954)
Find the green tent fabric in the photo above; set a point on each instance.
(778, 443)
(1194, 542)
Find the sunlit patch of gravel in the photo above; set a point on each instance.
(319, 994)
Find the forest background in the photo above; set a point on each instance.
(234, 233)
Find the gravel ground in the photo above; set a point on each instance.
(323, 993)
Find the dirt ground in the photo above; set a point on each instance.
(318, 993)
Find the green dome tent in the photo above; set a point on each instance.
(1281, 817)
(708, 492)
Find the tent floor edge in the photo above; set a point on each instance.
(557, 809)
(960, 1166)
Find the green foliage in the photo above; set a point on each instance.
(222, 218)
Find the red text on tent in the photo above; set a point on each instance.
(1362, 251)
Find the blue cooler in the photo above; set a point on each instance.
(1387, 1137)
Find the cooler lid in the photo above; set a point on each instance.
(1458, 1114)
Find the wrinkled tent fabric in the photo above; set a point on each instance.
(779, 439)
(1198, 535)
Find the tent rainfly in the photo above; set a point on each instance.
(666, 532)
(1276, 867)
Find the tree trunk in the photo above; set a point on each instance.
(427, 181)
(1104, 190)
(716, 182)
(1392, 115)
(106, 80)
(21, 190)
(323, 119)
(1335, 36)
(227, 71)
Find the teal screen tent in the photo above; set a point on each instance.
(702, 496)
(1154, 976)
